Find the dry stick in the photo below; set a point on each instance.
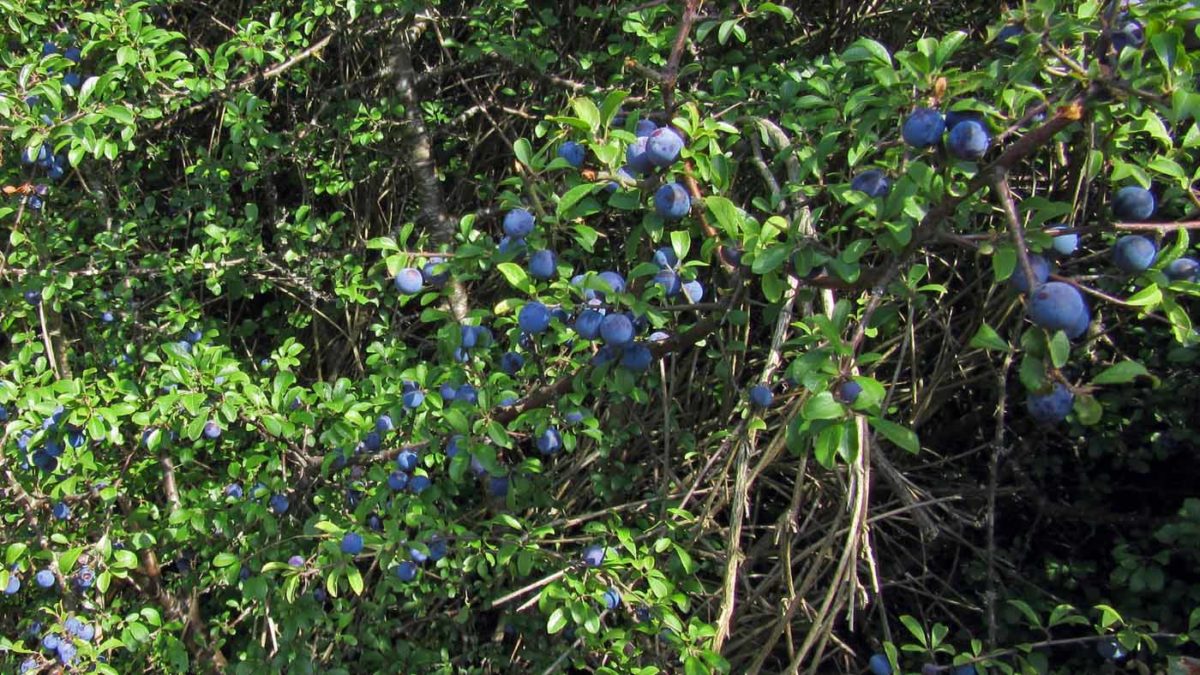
(993, 481)
(858, 495)
(1003, 193)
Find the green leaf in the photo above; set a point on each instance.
(1031, 616)
(67, 559)
(523, 152)
(573, 197)
(915, 628)
(14, 552)
(770, 259)
(1147, 297)
(1121, 373)
(515, 274)
(1060, 349)
(1088, 410)
(1004, 262)
(897, 433)
(822, 407)
(587, 111)
(558, 621)
(727, 215)
(867, 49)
(986, 337)
(355, 579)
(224, 560)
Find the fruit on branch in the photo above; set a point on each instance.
(872, 182)
(671, 201)
(923, 128)
(1041, 272)
(761, 396)
(969, 140)
(663, 147)
(1052, 406)
(1133, 203)
(1183, 269)
(409, 281)
(1057, 306)
(518, 223)
(572, 152)
(1134, 253)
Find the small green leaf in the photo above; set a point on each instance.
(897, 433)
(726, 214)
(915, 628)
(986, 337)
(1060, 349)
(523, 152)
(558, 621)
(1121, 373)
(573, 197)
(587, 111)
(822, 407)
(224, 560)
(514, 273)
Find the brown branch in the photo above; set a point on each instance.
(432, 212)
(671, 73)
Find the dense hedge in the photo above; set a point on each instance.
(343, 336)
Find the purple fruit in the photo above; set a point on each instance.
(760, 396)
(1134, 253)
(923, 128)
(542, 264)
(1133, 203)
(669, 281)
(637, 158)
(614, 281)
(419, 484)
(644, 128)
(430, 273)
(671, 201)
(212, 430)
(665, 257)
(616, 330)
(593, 556)
(587, 324)
(572, 152)
(849, 391)
(407, 459)
(693, 291)
(409, 280)
(406, 571)
(1051, 407)
(1041, 272)
(612, 598)
(636, 357)
(518, 223)
(1065, 244)
(969, 140)
(1182, 269)
(44, 578)
(534, 317)
(873, 182)
(1056, 306)
(511, 362)
(663, 147)
(352, 543)
(549, 441)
